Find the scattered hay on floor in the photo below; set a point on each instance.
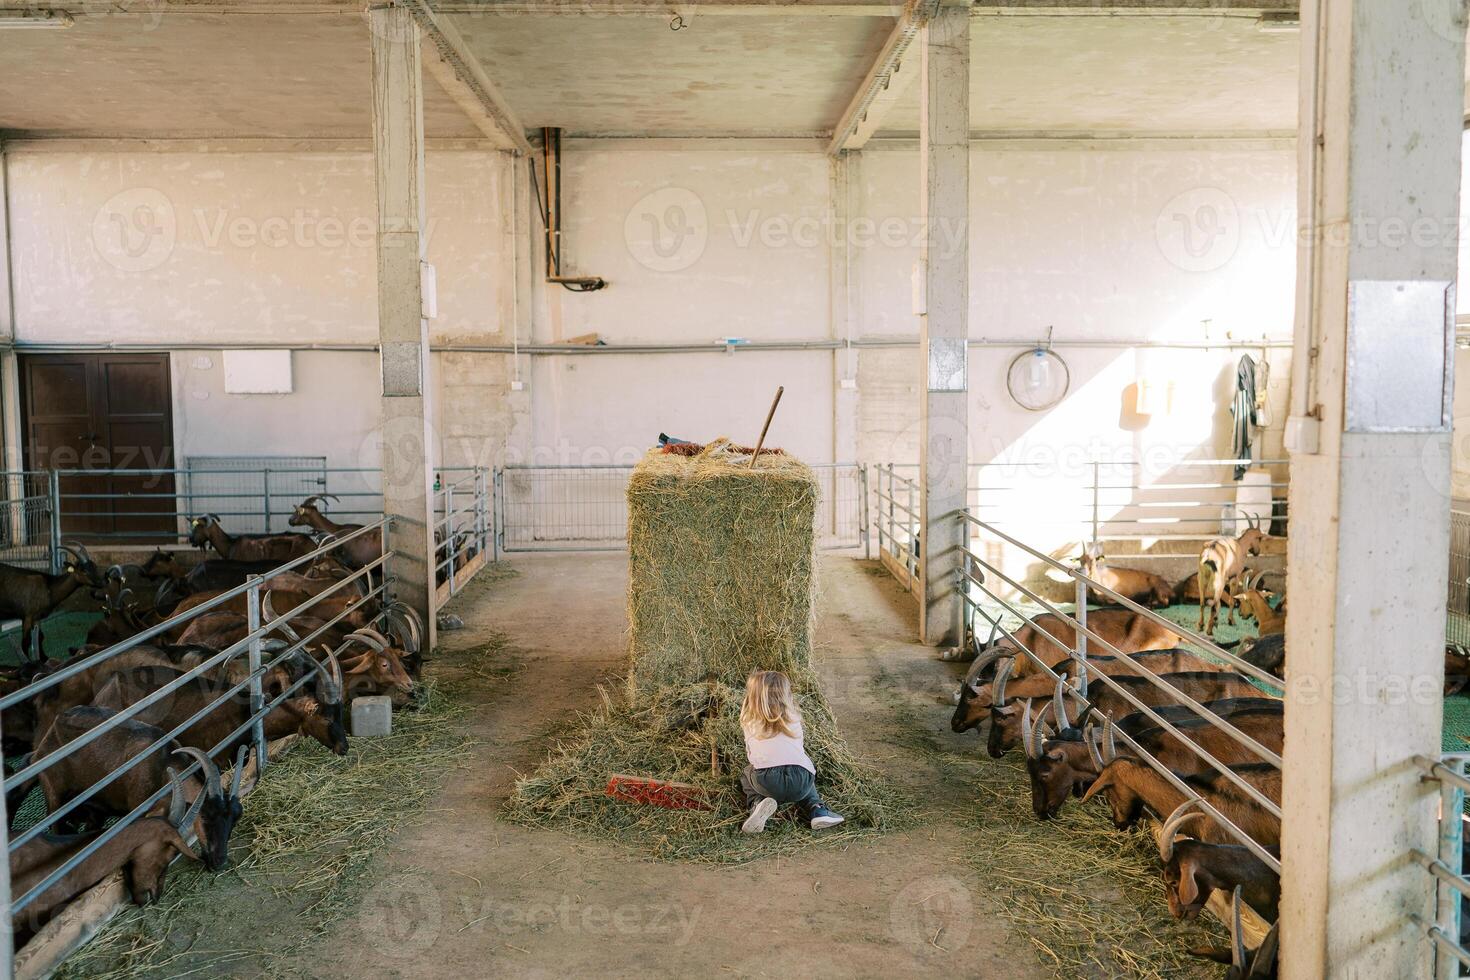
(669, 738)
(1087, 896)
(308, 846)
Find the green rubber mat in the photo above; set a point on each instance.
(61, 633)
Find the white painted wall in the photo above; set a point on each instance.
(699, 240)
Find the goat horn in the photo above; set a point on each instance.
(331, 680)
(406, 633)
(176, 805)
(271, 617)
(1026, 730)
(1177, 819)
(1110, 744)
(414, 619)
(367, 640)
(208, 769)
(998, 686)
(1266, 952)
(240, 758)
(78, 549)
(376, 635)
(1237, 939)
(1059, 704)
(1038, 735)
(1093, 738)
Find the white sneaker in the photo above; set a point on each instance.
(759, 814)
(822, 818)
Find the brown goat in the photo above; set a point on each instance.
(1053, 638)
(143, 851)
(1221, 564)
(1005, 719)
(1133, 786)
(278, 548)
(355, 553)
(1256, 604)
(1066, 764)
(1144, 588)
(1194, 870)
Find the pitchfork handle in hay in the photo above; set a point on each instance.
(767, 427)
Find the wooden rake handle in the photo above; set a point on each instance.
(767, 427)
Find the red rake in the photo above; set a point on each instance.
(658, 792)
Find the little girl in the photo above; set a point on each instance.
(780, 770)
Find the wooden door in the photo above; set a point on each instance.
(98, 413)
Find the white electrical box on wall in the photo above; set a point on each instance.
(429, 286)
(257, 372)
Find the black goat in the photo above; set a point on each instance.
(30, 596)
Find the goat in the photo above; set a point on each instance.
(974, 698)
(164, 564)
(1141, 587)
(1005, 719)
(1133, 786)
(1266, 652)
(1456, 668)
(143, 851)
(277, 548)
(1244, 964)
(316, 715)
(31, 596)
(378, 669)
(1256, 604)
(1125, 629)
(1066, 764)
(355, 553)
(213, 813)
(328, 607)
(1194, 870)
(1221, 563)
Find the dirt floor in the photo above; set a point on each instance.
(368, 866)
(468, 894)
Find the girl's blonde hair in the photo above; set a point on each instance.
(769, 707)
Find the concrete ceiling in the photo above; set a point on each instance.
(307, 75)
(634, 75)
(182, 75)
(1124, 75)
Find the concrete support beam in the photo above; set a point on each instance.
(1370, 484)
(944, 321)
(885, 82)
(449, 60)
(398, 149)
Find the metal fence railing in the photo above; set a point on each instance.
(247, 695)
(895, 522)
(585, 508)
(1447, 867)
(154, 507)
(28, 530)
(462, 532)
(1099, 501)
(988, 611)
(1457, 621)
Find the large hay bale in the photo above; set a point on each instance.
(720, 567)
(720, 560)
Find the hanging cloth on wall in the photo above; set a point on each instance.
(1243, 407)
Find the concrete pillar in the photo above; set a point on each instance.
(398, 149)
(843, 319)
(1369, 537)
(13, 437)
(944, 279)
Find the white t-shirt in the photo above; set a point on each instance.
(778, 750)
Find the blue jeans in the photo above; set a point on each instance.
(784, 784)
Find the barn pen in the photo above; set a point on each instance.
(375, 382)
